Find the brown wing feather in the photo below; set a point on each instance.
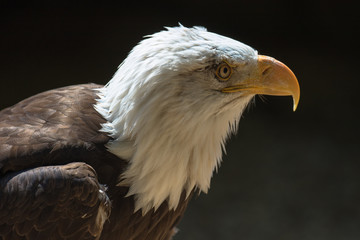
(54, 202)
(56, 119)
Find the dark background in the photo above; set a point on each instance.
(286, 175)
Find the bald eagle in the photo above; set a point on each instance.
(121, 161)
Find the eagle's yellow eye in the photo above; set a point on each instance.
(224, 71)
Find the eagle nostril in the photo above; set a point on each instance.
(265, 71)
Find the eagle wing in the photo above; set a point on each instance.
(64, 202)
(49, 144)
(59, 119)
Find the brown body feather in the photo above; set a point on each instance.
(56, 175)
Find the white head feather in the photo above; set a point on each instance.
(167, 115)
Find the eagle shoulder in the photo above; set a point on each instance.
(58, 119)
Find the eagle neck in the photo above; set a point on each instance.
(171, 145)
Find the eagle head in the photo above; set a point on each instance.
(174, 101)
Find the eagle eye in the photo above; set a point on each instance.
(224, 71)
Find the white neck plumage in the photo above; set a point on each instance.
(172, 145)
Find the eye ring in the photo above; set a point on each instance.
(224, 71)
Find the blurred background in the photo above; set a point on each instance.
(286, 175)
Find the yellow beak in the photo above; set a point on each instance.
(271, 77)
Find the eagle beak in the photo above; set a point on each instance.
(271, 77)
